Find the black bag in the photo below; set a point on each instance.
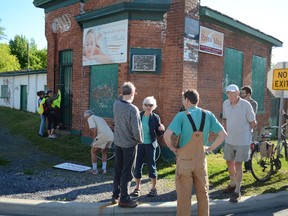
(46, 108)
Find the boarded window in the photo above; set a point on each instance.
(233, 67)
(4, 91)
(258, 80)
(103, 89)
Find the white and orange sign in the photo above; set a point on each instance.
(211, 41)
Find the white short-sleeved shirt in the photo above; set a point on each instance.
(103, 129)
(238, 118)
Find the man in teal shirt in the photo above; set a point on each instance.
(193, 126)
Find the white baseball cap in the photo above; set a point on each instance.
(232, 88)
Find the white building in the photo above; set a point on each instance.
(19, 89)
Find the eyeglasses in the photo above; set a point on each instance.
(149, 105)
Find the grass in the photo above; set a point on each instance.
(3, 161)
(69, 148)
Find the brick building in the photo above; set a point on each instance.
(162, 46)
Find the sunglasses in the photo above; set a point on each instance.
(149, 105)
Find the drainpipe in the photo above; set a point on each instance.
(55, 58)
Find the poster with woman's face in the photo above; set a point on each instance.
(105, 44)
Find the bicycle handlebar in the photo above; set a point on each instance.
(271, 127)
(276, 127)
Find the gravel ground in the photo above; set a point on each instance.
(27, 177)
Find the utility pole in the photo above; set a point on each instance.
(28, 60)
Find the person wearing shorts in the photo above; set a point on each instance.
(103, 138)
(239, 120)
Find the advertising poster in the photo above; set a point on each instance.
(105, 44)
(191, 40)
(211, 41)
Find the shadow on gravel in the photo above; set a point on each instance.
(89, 190)
(165, 197)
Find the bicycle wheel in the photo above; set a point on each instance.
(261, 167)
(286, 151)
(110, 153)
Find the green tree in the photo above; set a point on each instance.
(19, 48)
(38, 59)
(28, 54)
(8, 62)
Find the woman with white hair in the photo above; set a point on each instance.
(152, 127)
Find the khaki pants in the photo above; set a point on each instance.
(191, 169)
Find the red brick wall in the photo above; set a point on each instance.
(211, 71)
(144, 34)
(71, 39)
(173, 61)
(190, 69)
(176, 75)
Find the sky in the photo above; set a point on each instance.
(267, 16)
(21, 17)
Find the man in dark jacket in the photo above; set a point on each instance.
(128, 134)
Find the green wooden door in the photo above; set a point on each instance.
(233, 67)
(103, 89)
(274, 112)
(23, 97)
(258, 80)
(66, 60)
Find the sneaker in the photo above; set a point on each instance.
(136, 193)
(129, 204)
(104, 171)
(114, 200)
(152, 193)
(229, 189)
(52, 136)
(93, 172)
(235, 197)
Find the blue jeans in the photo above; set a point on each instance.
(124, 161)
(42, 124)
(148, 152)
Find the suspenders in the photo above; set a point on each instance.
(193, 124)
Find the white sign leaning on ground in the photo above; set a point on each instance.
(72, 167)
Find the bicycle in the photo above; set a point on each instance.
(111, 153)
(263, 167)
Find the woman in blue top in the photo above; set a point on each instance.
(152, 127)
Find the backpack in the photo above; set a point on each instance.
(46, 107)
(266, 149)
